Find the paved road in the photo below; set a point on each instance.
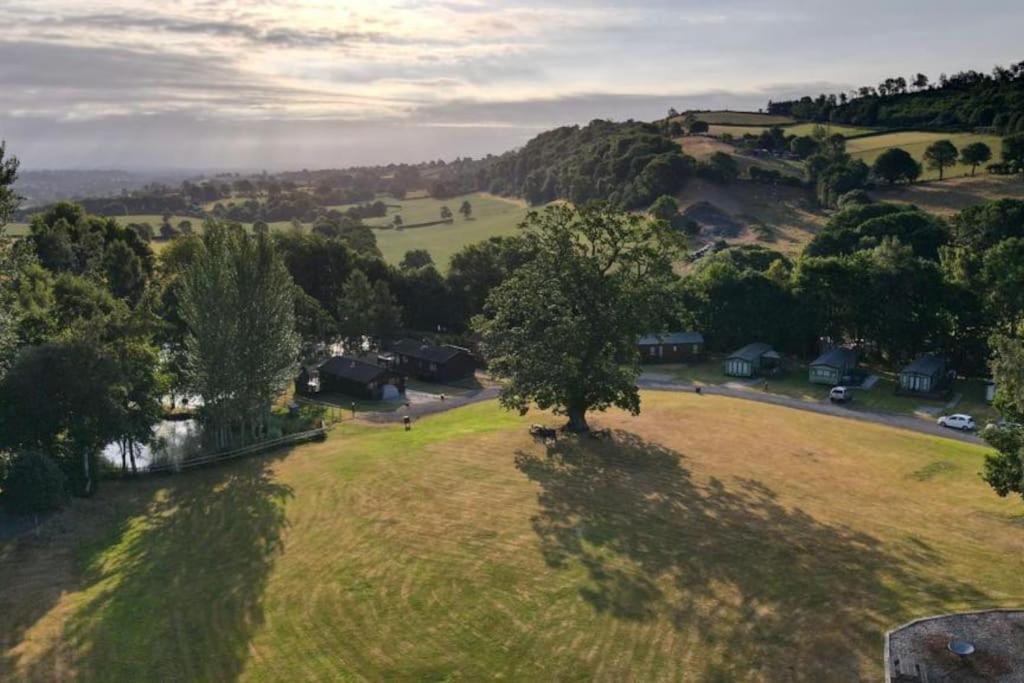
(850, 412)
(438, 406)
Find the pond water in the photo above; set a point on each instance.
(174, 440)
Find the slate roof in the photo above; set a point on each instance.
(751, 352)
(352, 369)
(427, 352)
(671, 338)
(837, 358)
(926, 365)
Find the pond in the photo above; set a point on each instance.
(174, 440)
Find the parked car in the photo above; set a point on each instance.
(964, 423)
(840, 395)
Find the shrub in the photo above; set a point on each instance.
(853, 198)
(34, 483)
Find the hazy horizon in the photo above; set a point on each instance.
(291, 84)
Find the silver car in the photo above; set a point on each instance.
(964, 423)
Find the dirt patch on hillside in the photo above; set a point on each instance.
(956, 194)
(781, 218)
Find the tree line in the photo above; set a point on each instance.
(963, 101)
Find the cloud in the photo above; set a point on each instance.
(252, 83)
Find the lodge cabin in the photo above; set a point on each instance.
(752, 360)
(928, 374)
(830, 367)
(442, 364)
(351, 377)
(671, 347)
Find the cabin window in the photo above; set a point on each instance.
(674, 349)
(696, 348)
(433, 367)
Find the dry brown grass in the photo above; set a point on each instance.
(956, 194)
(707, 539)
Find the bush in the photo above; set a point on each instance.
(34, 483)
(853, 198)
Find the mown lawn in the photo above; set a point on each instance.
(707, 539)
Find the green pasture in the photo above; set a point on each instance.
(492, 216)
(916, 142)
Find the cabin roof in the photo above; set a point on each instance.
(671, 338)
(927, 364)
(838, 357)
(345, 367)
(752, 352)
(428, 352)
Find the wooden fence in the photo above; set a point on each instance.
(209, 459)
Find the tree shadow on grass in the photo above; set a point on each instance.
(174, 592)
(768, 590)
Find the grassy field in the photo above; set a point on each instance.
(833, 129)
(955, 194)
(708, 539)
(793, 129)
(881, 398)
(916, 142)
(737, 118)
(492, 216)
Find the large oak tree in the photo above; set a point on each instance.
(562, 329)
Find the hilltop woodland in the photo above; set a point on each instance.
(964, 101)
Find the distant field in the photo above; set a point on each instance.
(953, 195)
(707, 539)
(795, 129)
(21, 229)
(786, 213)
(492, 216)
(739, 118)
(916, 142)
(702, 147)
(832, 129)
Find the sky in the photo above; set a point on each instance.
(290, 84)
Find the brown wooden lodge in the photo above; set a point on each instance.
(671, 347)
(349, 376)
(442, 364)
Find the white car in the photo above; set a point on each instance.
(964, 423)
(840, 395)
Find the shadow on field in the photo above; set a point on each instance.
(766, 590)
(176, 585)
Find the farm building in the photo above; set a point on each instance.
(670, 347)
(928, 374)
(830, 367)
(752, 359)
(352, 377)
(433, 363)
